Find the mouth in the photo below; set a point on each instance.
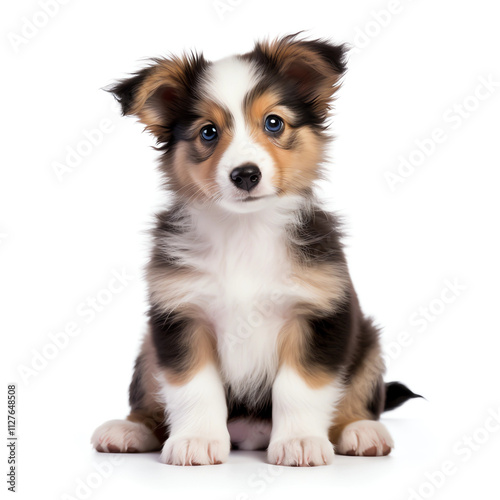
(249, 203)
(254, 198)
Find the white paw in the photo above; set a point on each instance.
(302, 452)
(367, 438)
(123, 436)
(195, 450)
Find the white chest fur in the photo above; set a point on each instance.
(245, 288)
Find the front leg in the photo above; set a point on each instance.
(197, 416)
(191, 390)
(307, 389)
(302, 416)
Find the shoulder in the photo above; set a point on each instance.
(316, 235)
(172, 221)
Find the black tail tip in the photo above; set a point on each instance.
(397, 394)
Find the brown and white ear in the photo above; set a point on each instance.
(314, 67)
(159, 93)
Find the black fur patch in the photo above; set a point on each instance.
(136, 389)
(316, 238)
(168, 332)
(168, 223)
(335, 55)
(300, 98)
(125, 90)
(238, 407)
(376, 405)
(330, 339)
(303, 111)
(365, 339)
(175, 106)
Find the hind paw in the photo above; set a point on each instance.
(123, 436)
(365, 438)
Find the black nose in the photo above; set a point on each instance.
(246, 177)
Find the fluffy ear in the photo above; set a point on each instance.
(159, 93)
(313, 67)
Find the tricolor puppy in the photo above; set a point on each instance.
(256, 339)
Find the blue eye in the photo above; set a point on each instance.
(273, 124)
(208, 133)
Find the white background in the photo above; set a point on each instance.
(61, 238)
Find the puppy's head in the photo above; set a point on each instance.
(242, 131)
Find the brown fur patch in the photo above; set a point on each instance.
(154, 421)
(327, 284)
(359, 391)
(305, 63)
(197, 179)
(199, 341)
(169, 78)
(296, 152)
(194, 162)
(151, 411)
(149, 372)
(213, 112)
(170, 287)
(292, 342)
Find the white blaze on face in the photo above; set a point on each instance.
(228, 82)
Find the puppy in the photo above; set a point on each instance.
(255, 337)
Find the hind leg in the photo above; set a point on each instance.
(143, 430)
(356, 430)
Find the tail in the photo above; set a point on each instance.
(396, 394)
